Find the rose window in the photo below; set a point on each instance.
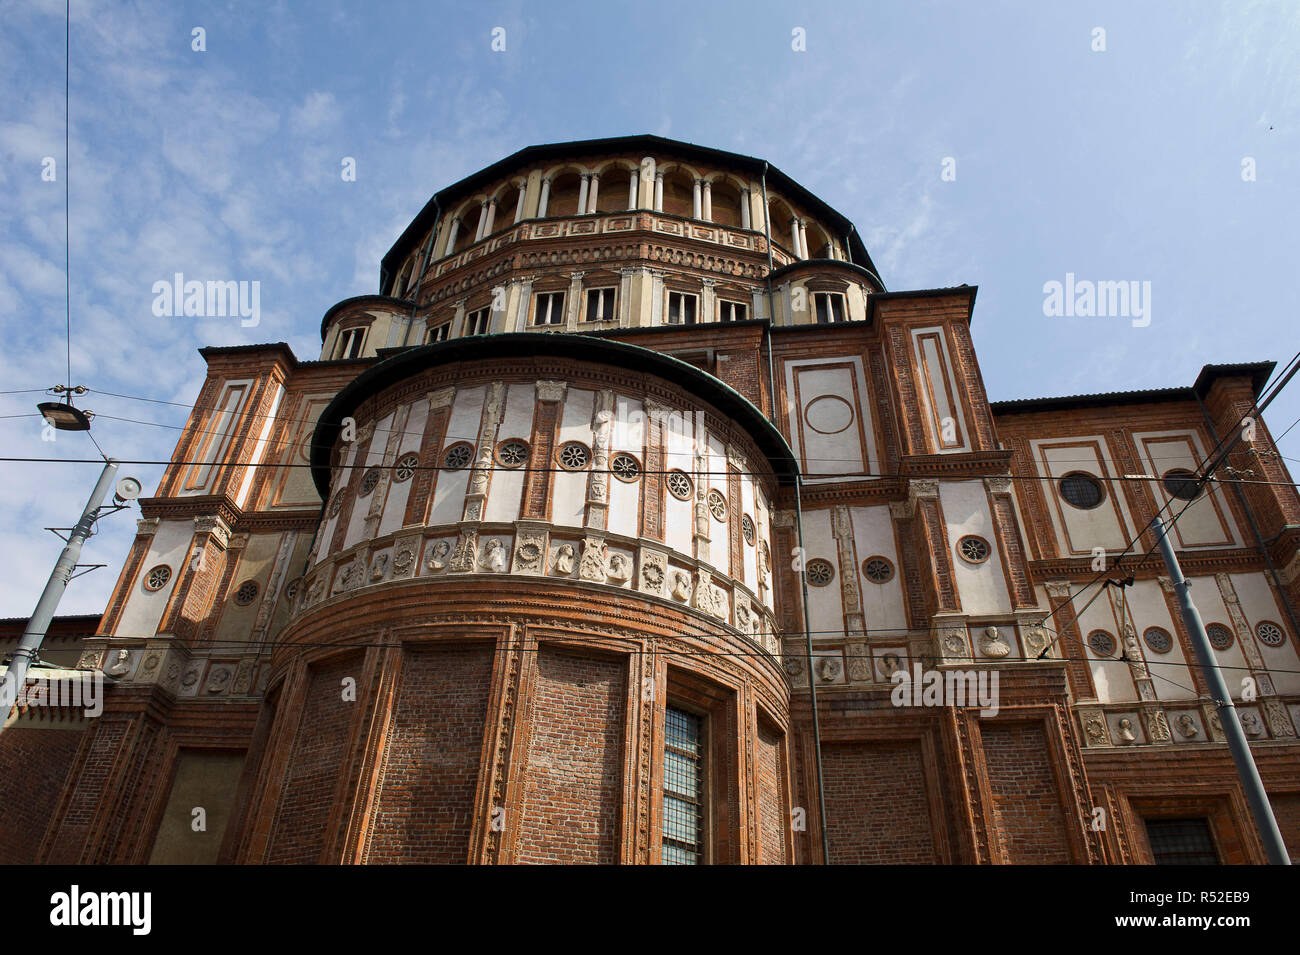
(369, 481)
(157, 578)
(246, 593)
(456, 457)
(625, 467)
(406, 466)
(574, 456)
(717, 506)
(820, 572)
(512, 454)
(679, 485)
(973, 550)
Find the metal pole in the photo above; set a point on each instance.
(1246, 769)
(812, 680)
(39, 623)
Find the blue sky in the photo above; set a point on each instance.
(1117, 165)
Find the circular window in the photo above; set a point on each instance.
(291, 591)
(1220, 636)
(820, 572)
(368, 482)
(1102, 643)
(973, 549)
(878, 570)
(574, 456)
(457, 456)
(1158, 639)
(405, 467)
(157, 578)
(1081, 490)
(1270, 634)
(512, 454)
(246, 593)
(717, 506)
(679, 485)
(625, 467)
(747, 529)
(1182, 484)
(336, 505)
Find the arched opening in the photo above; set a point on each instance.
(679, 193)
(726, 203)
(819, 242)
(564, 195)
(612, 196)
(469, 217)
(507, 204)
(779, 215)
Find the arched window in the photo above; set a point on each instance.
(468, 227)
(679, 193)
(726, 203)
(564, 195)
(613, 193)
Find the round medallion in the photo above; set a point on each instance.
(820, 572)
(157, 578)
(512, 454)
(405, 467)
(456, 457)
(829, 414)
(1220, 636)
(573, 456)
(1270, 634)
(1102, 643)
(1158, 639)
(717, 505)
(679, 485)
(878, 570)
(246, 593)
(625, 467)
(368, 482)
(973, 549)
(747, 529)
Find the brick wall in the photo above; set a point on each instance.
(33, 766)
(431, 759)
(771, 807)
(876, 806)
(574, 774)
(1025, 801)
(1286, 809)
(300, 828)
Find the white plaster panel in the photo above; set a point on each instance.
(882, 604)
(143, 609)
(825, 605)
(1259, 604)
(1206, 521)
(1078, 530)
(982, 587)
(374, 458)
(1170, 676)
(829, 417)
(230, 404)
(935, 363)
(1111, 677)
(1208, 600)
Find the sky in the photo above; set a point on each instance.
(1003, 145)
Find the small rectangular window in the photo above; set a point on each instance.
(683, 822)
(549, 309)
(681, 308)
(1181, 842)
(476, 322)
(732, 311)
(829, 307)
(600, 304)
(350, 343)
(438, 333)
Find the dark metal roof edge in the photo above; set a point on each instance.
(530, 344)
(422, 222)
(358, 299)
(1258, 372)
(839, 263)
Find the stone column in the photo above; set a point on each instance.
(573, 302)
(659, 192)
(458, 318)
(632, 184)
(490, 225)
(582, 193)
(592, 193)
(803, 240)
(452, 233)
(519, 206)
(708, 200)
(794, 237)
(744, 209)
(696, 201)
(546, 195)
(482, 220)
